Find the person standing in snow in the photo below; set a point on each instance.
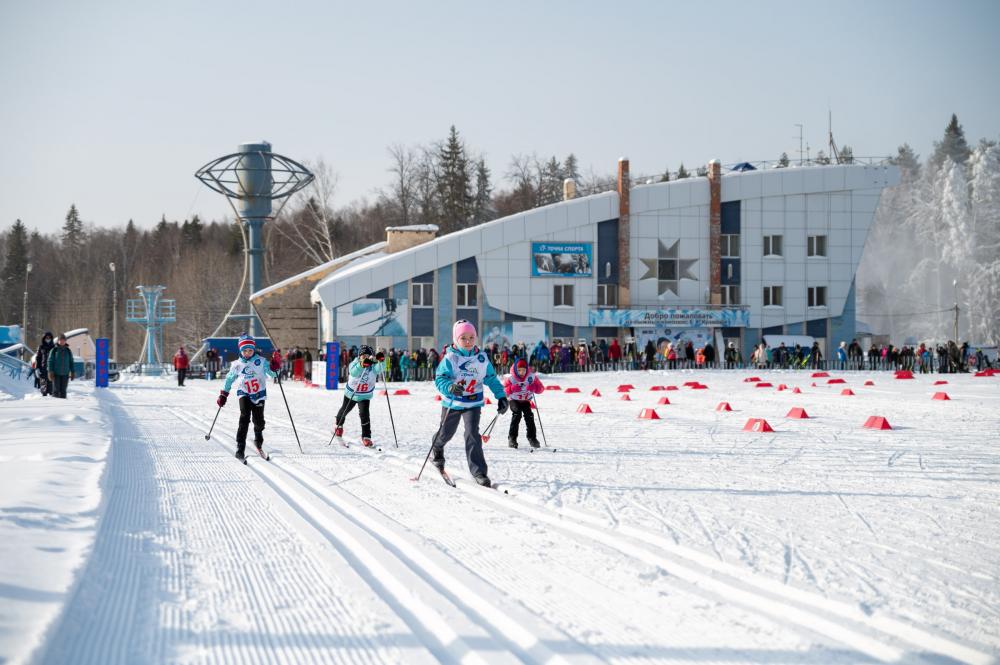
(249, 373)
(521, 386)
(363, 375)
(60, 367)
(181, 365)
(460, 378)
(41, 364)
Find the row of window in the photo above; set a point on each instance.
(466, 295)
(773, 246)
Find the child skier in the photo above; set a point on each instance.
(249, 372)
(365, 372)
(460, 377)
(521, 386)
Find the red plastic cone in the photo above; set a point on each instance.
(595, 392)
(487, 401)
(690, 384)
(624, 389)
(846, 392)
(700, 386)
(437, 398)
(664, 400)
(940, 383)
(626, 398)
(869, 382)
(797, 412)
(648, 414)
(796, 390)
(584, 408)
(652, 388)
(904, 374)
(763, 384)
(819, 375)
(671, 388)
(877, 422)
(941, 396)
(723, 406)
(553, 387)
(833, 381)
(782, 386)
(751, 379)
(571, 390)
(757, 425)
(401, 391)
(382, 392)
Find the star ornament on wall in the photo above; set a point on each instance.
(667, 269)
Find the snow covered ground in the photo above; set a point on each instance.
(127, 537)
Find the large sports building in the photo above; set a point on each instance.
(727, 257)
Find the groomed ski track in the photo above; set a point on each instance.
(335, 556)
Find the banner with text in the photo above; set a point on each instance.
(562, 259)
(676, 317)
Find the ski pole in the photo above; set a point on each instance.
(290, 419)
(444, 414)
(209, 435)
(386, 384)
(540, 425)
(489, 428)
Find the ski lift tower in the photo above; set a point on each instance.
(152, 312)
(254, 176)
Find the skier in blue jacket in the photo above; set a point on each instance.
(460, 377)
(365, 371)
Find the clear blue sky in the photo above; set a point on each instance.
(113, 105)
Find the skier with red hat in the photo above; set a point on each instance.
(460, 377)
(521, 386)
(249, 374)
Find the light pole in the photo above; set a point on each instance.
(24, 312)
(954, 284)
(114, 316)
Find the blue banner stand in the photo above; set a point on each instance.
(101, 363)
(332, 364)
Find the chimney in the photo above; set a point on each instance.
(624, 297)
(405, 237)
(715, 232)
(569, 189)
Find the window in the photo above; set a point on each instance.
(730, 295)
(466, 296)
(423, 295)
(667, 269)
(817, 296)
(562, 295)
(816, 246)
(772, 296)
(772, 245)
(730, 246)
(607, 295)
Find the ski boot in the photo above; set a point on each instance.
(437, 458)
(338, 432)
(260, 449)
(240, 455)
(533, 442)
(366, 442)
(512, 442)
(483, 480)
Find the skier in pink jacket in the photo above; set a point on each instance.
(521, 385)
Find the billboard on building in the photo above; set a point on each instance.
(374, 317)
(529, 332)
(561, 259)
(671, 317)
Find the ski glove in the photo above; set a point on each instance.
(380, 356)
(502, 405)
(223, 395)
(456, 389)
(367, 362)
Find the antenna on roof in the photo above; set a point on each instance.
(833, 146)
(801, 151)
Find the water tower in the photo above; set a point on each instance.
(152, 312)
(253, 177)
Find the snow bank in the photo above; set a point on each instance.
(53, 454)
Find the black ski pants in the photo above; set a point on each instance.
(473, 442)
(364, 407)
(181, 374)
(250, 410)
(521, 409)
(59, 385)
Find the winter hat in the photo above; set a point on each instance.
(521, 368)
(461, 327)
(245, 341)
(366, 350)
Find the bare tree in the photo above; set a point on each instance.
(405, 169)
(309, 226)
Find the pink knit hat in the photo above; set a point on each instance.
(461, 327)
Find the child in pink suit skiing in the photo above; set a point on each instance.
(521, 385)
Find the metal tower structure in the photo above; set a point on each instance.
(152, 312)
(254, 177)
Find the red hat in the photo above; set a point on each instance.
(521, 367)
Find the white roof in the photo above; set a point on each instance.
(414, 227)
(345, 259)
